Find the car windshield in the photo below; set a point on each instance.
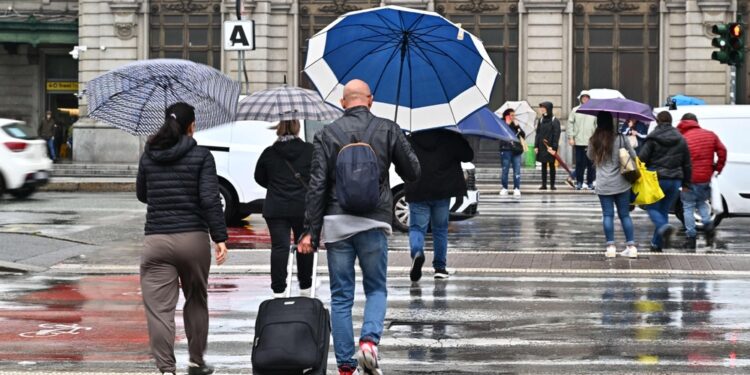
(19, 130)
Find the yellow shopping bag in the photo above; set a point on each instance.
(646, 189)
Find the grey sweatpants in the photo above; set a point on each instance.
(168, 262)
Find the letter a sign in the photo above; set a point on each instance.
(239, 35)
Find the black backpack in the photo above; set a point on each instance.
(357, 171)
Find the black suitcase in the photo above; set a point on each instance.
(292, 334)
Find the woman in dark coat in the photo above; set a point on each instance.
(548, 130)
(284, 169)
(177, 180)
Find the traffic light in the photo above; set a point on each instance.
(730, 41)
(736, 44)
(721, 42)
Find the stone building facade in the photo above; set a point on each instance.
(545, 49)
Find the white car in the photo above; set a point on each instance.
(24, 165)
(237, 146)
(732, 124)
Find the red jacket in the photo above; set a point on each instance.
(703, 144)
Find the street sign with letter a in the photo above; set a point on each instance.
(239, 35)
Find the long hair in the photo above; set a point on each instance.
(177, 120)
(603, 139)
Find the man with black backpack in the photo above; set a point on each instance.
(350, 202)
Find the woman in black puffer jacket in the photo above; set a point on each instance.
(177, 180)
(284, 169)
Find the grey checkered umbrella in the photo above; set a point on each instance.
(286, 103)
(134, 97)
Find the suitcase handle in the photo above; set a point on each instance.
(290, 271)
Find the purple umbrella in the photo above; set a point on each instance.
(621, 109)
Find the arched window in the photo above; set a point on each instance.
(186, 29)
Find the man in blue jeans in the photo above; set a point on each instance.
(440, 154)
(351, 236)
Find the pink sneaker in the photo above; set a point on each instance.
(368, 358)
(346, 370)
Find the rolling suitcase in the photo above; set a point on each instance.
(292, 334)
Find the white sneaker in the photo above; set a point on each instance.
(516, 192)
(611, 251)
(585, 187)
(504, 192)
(305, 292)
(630, 252)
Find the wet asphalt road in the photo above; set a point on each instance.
(473, 323)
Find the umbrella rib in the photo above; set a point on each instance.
(415, 23)
(385, 21)
(442, 86)
(352, 68)
(443, 39)
(382, 73)
(343, 46)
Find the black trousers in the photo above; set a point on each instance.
(584, 165)
(280, 241)
(552, 172)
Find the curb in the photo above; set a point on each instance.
(19, 267)
(90, 187)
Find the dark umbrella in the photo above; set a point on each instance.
(620, 109)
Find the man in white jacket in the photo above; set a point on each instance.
(580, 129)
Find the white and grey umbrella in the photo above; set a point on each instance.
(286, 103)
(134, 97)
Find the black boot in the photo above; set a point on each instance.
(200, 370)
(710, 232)
(690, 243)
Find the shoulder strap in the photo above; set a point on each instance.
(296, 174)
(370, 130)
(344, 138)
(340, 134)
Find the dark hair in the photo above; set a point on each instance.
(177, 120)
(664, 118)
(508, 112)
(603, 139)
(689, 116)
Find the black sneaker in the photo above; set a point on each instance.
(543, 187)
(200, 370)
(710, 232)
(441, 273)
(553, 187)
(655, 249)
(666, 242)
(416, 267)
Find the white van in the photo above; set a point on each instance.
(732, 124)
(237, 146)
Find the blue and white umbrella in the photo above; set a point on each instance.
(487, 124)
(423, 70)
(134, 97)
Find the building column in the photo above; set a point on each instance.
(114, 25)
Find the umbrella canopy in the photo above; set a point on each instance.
(487, 124)
(681, 100)
(286, 103)
(621, 109)
(525, 115)
(605, 94)
(423, 70)
(134, 97)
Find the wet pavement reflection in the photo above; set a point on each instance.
(482, 325)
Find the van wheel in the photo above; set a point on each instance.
(678, 211)
(400, 211)
(228, 204)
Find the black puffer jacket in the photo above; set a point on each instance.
(285, 194)
(180, 187)
(389, 144)
(667, 153)
(549, 130)
(440, 154)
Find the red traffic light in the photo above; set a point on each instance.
(735, 30)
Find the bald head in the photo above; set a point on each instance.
(356, 93)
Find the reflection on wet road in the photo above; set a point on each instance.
(478, 325)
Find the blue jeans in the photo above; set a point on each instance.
(584, 165)
(51, 148)
(435, 214)
(694, 198)
(622, 201)
(371, 248)
(508, 158)
(659, 211)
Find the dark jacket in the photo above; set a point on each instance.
(389, 144)
(285, 194)
(513, 146)
(703, 144)
(47, 128)
(547, 129)
(666, 152)
(180, 187)
(440, 153)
